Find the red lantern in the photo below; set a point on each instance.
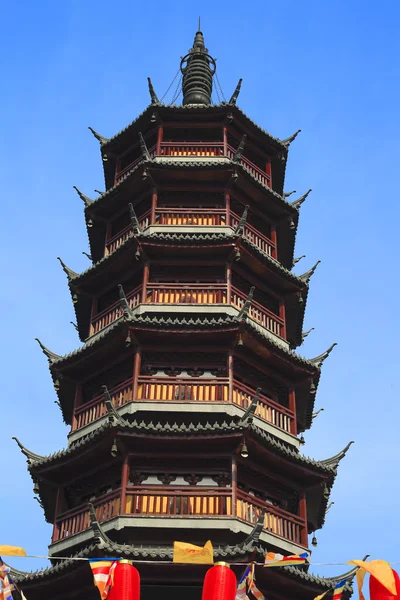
(219, 583)
(126, 582)
(378, 592)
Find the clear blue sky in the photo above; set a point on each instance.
(329, 68)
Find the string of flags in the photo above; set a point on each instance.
(103, 570)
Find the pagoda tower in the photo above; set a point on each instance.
(187, 400)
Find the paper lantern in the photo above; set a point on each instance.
(378, 592)
(219, 583)
(126, 582)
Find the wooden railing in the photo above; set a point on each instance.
(113, 312)
(255, 237)
(190, 501)
(77, 520)
(119, 238)
(277, 521)
(199, 149)
(190, 216)
(180, 293)
(193, 293)
(95, 409)
(125, 170)
(190, 389)
(185, 502)
(259, 313)
(187, 149)
(251, 168)
(267, 409)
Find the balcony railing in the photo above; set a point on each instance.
(255, 237)
(277, 521)
(259, 313)
(95, 409)
(193, 293)
(119, 238)
(190, 216)
(183, 502)
(200, 150)
(114, 312)
(190, 389)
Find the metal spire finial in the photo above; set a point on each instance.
(197, 69)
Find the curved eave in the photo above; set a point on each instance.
(191, 432)
(119, 140)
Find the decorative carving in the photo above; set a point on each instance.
(235, 94)
(239, 152)
(153, 95)
(222, 479)
(193, 479)
(166, 478)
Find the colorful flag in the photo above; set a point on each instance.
(273, 559)
(242, 585)
(189, 553)
(12, 551)
(5, 585)
(103, 574)
(381, 570)
(337, 591)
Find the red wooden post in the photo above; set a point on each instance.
(234, 485)
(57, 511)
(154, 198)
(137, 361)
(117, 169)
(146, 272)
(230, 376)
(124, 484)
(77, 403)
(228, 283)
(225, 138)
(273, 239)
(303, 515)
(283, 317)
(228, 208)
(292, 407)
(269, 173)
(159, 140)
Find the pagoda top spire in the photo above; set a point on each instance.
(197, 69)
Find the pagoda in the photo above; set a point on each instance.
(187, 400)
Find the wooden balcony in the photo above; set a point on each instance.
(199, 150)
(190, 389)
(194, 293)
(255, 237)
(189, 501)
(119, 238)
(114, 312)
(191, 216)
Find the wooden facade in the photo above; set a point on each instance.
(186, 400)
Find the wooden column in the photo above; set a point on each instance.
(159, 140)
(228, 283)
(108, 236)
(77, 403)
(137, 362)
(230, 375)
(283, 317)
(268, 171)
(292, 407)
(225, 138)
(234, 485)
(124, 484)
(273, 239)
(303, 515)
(57, 511)
(146, 272)
(228, 208)
(154, 198)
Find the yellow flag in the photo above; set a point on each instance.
(189, 553)
(381, 570)
(360, 575)
(12, 551)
